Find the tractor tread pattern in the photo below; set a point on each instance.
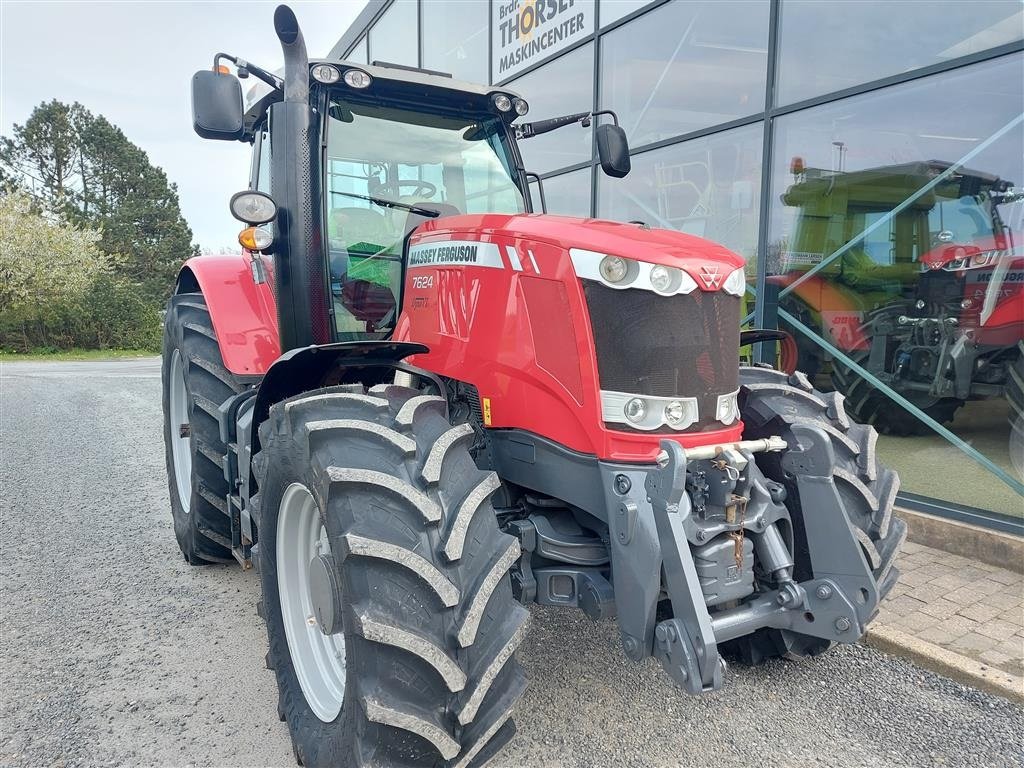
(204, 532)
(772, 402)
(395, 506)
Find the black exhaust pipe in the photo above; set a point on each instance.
(300, 276)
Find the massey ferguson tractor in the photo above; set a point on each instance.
(930, 301)
(417, 407)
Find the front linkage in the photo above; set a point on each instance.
(782, 544)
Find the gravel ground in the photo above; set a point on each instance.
(114, 652)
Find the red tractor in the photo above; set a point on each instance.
(431, 407)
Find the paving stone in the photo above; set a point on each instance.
(962, 605)
(974, 643)
(1007, 577)
(997, 629)
(980, 612)
(941, 608)
(916, 621)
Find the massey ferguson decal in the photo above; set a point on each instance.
(459, 252)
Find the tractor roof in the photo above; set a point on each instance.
(420, 89)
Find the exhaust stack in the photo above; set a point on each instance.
(300, 278)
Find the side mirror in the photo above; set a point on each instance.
(613, 150)
(217, 106)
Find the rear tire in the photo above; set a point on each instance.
(771, 403)
(420, 581)
(195, 383)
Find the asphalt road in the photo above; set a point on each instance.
(114, 652)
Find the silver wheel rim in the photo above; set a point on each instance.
(181, 447)
(318, 659)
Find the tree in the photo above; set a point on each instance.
(83, 167)
(44, 152)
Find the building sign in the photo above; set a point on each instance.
(525, 32)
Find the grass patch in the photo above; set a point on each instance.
(56, 355)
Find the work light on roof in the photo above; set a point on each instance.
(326, 74)
(356, 78)
(521, 106)
(502, 102)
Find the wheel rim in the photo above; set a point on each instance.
(318, 659)
(181, 443)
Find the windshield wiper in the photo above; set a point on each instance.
(383, 203)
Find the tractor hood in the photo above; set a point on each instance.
(658, 246)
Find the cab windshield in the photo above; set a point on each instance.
(376, 157)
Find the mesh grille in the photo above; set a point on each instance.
(667, 346)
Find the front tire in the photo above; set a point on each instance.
(771, 403)
(195, 383)
(423, 613)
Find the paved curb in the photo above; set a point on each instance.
(947, 663)
(1003, 550)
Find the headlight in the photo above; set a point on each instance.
(521, 107)
(325, 73)
(736, 283)
(614, 269)
(635, 410)
(665, 280)
(356, 78)
(728, 408)
(253, 207)
(502, 102)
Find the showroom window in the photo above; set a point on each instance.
(895, 234)
(709, 187)
(686, 66)
(560, 87)
(567, 194)
(394, 38)
(818, 55)
(455, 39)
(360, 53)
(613, 10)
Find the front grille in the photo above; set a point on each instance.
(667, 346)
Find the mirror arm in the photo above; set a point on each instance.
(526, 130)
(615, 118)
(270, 79)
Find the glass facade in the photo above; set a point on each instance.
(866, 159)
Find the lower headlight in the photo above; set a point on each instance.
(728, 410)
(635, 410)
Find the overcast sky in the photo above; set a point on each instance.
(133, 61)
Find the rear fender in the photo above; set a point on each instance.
(242, 309)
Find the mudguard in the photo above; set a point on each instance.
(240, 297)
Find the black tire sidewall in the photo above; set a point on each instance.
(315, 741)
(174, 342)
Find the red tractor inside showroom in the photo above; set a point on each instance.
(418, 407)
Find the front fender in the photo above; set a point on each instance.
(242, 310)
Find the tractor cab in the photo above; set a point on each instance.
(373, 151)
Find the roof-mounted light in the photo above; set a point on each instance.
(521, 106)
(502, 102)
(356, 78)
(326, 74)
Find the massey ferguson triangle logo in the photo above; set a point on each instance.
(710, 276)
